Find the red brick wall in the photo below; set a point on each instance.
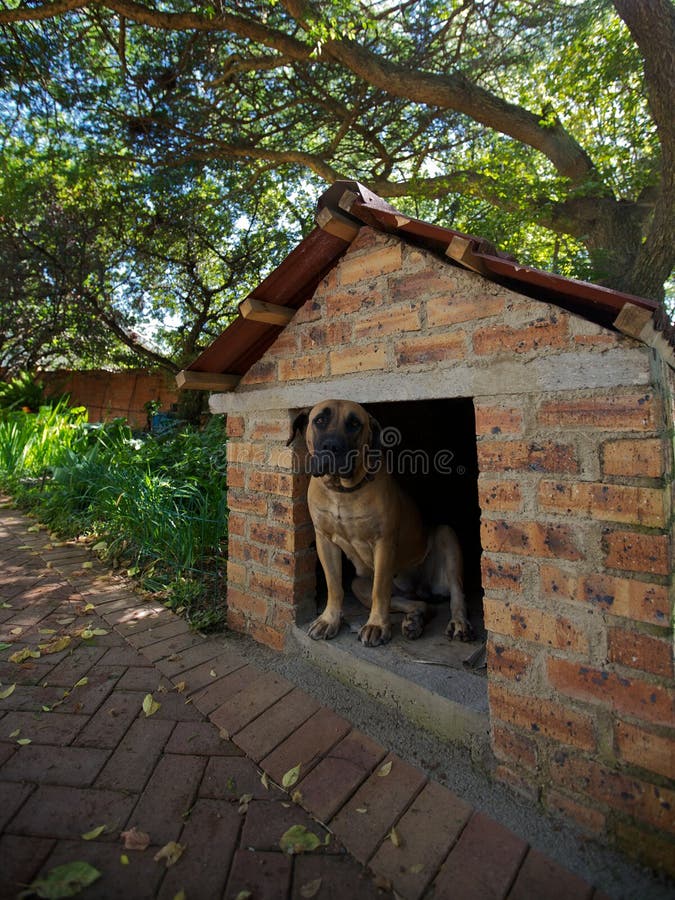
(111, 395)
(575, 528)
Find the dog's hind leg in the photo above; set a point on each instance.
(416, 615)
(444, 573)
(416, 612)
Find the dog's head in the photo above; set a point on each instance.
(343, 439)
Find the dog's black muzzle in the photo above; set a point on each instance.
(333, 456)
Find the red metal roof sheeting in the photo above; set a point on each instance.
(294, 281)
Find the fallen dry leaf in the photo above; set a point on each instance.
(394, 837)
(24, 741)
(16, 630)
(311, 889)
(180, 687)
(63, 881)
(296, 796)
(22, 655)
(244, 801)
(265, 781)
(299, 840)
(170, 853)
(416, 869)
(94, 833)
(150, 705)
(57, 645)
(7, 692)
(291, 777)
(384, 769)
(135, 839)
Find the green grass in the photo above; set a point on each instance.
(154, 507)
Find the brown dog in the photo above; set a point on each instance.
(358, 509)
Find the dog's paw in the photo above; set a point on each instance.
(323, 629)
(374, 635)
(459, 629)
(412, 625)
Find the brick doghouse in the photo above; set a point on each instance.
(564, 390)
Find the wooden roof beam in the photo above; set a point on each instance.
(187, 380)
(337, 224)
(460, 249)
(262, 311)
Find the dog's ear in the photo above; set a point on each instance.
(375, 442)
(299, 426)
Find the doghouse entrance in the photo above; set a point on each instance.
(430, 447)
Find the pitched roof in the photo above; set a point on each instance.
(341, 211)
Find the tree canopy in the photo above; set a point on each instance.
(159, 158)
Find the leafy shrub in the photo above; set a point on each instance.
(24, 391)
(156, 507)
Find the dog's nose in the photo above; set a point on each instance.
(332, 445)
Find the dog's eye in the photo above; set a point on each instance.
(353, 424)
(321, 421)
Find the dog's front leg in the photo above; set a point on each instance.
(328, 623)
(377, 629)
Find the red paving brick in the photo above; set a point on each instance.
(135, 757)
(220, 690)
(541, 877)
(266, 876)
(168, 797)
(268, 820)
(211, 833)
(139, 878)
(364, 822)
(471, 873)
(190, 658)
(261, 736)
(20, 859)
(199, 739)
(208, 673)
(420, 844)
(250, 702)
(333, 781)
(341, 877)
(306, 746)
(67, 812)
(233, 777)
(70, 765)
(96, 759)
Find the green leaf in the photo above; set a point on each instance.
(4, 646)
(22, 655)
(94, 833)
(291, 777)
(7, 692)
(63, 881)
(150, 705)
(299, 840)
(24, 741)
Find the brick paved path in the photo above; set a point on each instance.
(191, 772)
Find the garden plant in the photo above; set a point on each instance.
(155, 507)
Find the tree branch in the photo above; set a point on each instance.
(453, 91)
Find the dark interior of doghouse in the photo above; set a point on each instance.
(435, 461)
